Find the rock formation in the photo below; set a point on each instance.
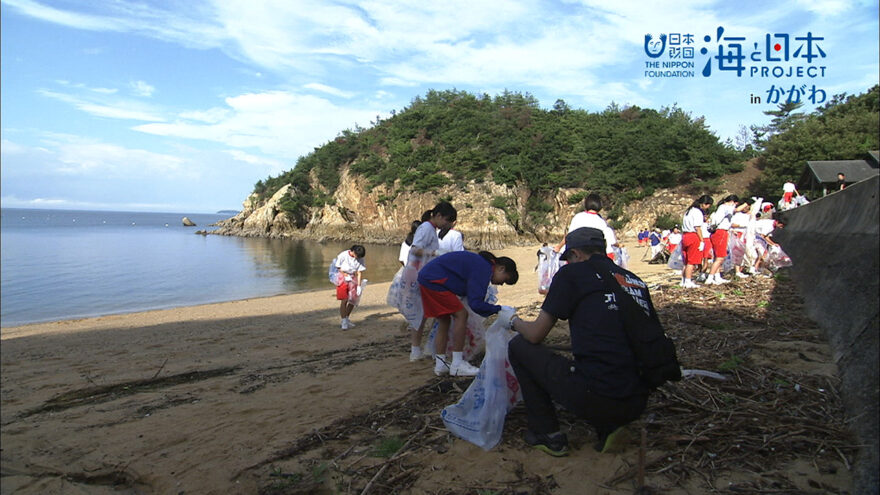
(187, 222)
(358, 213)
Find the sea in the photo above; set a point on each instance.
(65, 264)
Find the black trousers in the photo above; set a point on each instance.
(546, 377)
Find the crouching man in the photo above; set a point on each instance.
(601, 384)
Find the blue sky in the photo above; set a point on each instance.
(183, 106)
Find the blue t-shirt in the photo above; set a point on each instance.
(463, 273)
(655, 238)
(603, 355)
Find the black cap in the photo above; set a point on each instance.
(583, 237)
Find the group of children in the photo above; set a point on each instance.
(438, 279)
(738, 233)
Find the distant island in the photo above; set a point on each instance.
(227, 212)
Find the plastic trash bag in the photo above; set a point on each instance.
(411, 297)
(621, 257)
(676, 259)
(777, 258)
(395, 291)
(336, 277)
(547, 268)
(353, 297)
(478, 416)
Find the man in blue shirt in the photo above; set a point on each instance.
(601, 384)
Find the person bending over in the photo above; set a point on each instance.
(460, 274)
(601, 384)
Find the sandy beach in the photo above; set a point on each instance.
(270, 396)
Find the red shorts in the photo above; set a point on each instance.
(439, 302)
(786, 197)
(342, 291)
(671, 247)
(707, 248)
(690, 248)
(719, 243)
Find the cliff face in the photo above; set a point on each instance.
(364, 215)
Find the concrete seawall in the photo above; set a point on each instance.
(834, 243)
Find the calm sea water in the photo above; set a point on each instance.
(59, 264)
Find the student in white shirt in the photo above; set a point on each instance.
(739, 224)
(721, 219)
(350, 264)
(450, 240)
(425, 246)
(590, 218)
(407, 243)
(694, 238)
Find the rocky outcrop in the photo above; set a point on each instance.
(187, 222)
(490, 215)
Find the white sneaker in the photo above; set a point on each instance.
(710, 281)
(440, 367)
(720, 281)
(463, 368)
(415, 355)
(742, 275)
(348, 323)
(690, 285)
(345, 324)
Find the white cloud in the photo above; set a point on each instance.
(13, 201)
(329, 90)
(274, 165)
(77, 156)
(11, 148)
(118, 110)
(210, 116)
(279, 123)
(113, 160)
(141, 88)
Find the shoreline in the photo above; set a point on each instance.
(227, 307)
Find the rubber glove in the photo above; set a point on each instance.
(359, 290)
(505, 315)
(702, 246)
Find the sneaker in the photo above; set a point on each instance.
(440, 367)
(742, 275)
(349, 323)
(689, 285)
(710, 281)
(415, 355)
(611, 439)
(555, 444)
(345, 324)
(463, 368)
(721, 281)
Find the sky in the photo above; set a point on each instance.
(174, 106)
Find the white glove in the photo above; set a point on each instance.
(505, 315)
(702, 245)
(359, 290)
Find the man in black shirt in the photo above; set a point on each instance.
(601, 384)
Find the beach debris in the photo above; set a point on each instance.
(696, 432)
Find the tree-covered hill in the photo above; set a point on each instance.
(454, 137)
(844, 129)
